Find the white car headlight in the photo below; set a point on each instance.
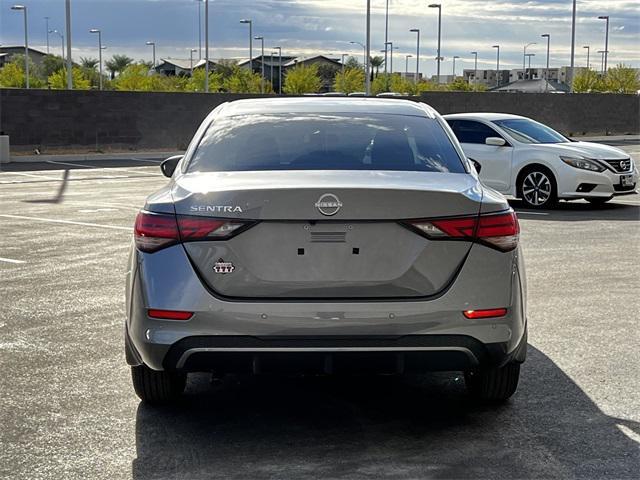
(583, 163)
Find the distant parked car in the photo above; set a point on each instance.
(525, 159)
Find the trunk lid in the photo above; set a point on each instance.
(356, 249)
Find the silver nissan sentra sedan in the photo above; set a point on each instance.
(319, 236)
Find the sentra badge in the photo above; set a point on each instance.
(223, 267)
(216, 208)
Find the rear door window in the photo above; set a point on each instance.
(469, 131)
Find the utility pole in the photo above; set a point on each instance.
(69, 62)
(367, 64)
(439, 7)
(546, 75)
(475, 71)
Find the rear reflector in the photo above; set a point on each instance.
(499, 231)
(154, 231)
(489, 313)
(169, 314)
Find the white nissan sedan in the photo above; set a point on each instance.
(525, 159)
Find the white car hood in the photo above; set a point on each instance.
(585, 149)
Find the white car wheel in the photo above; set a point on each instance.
(537, 188)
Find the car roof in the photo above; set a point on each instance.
(325, 105)
(481, 116)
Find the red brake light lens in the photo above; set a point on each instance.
(154, 231)
(169, 314)
(488, 313)
(499, 231)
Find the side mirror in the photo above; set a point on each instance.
(495, 141)
(169, 165)
(476, 165)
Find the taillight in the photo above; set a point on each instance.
(499, 231)
(154, 231)
(487, 313)
(169, 314)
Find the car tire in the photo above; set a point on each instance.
(537, 187)
(598, 200)
(157, 387)
(495, 384)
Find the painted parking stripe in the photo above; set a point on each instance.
(531, 213)
(68, 222)
(56, 162)
(11, 260)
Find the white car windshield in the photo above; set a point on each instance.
(528, 131)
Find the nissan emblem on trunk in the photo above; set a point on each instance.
(328, 204)
(223, 267)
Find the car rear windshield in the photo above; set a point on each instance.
(528, 131)
(325, 142)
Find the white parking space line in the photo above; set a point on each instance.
(68, 222)
(532, 213)
(56, 162)
(31, 175)
(11, 260)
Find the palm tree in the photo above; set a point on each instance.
(376, 62)
(117, 64)
(88, 63)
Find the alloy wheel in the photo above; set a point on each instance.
(536, 188)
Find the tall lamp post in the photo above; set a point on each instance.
(386, 34)
(454, 66)
(602, 54)
(364, 52)
(250, 23)
(46, 19)
(406, 65)
(524, 58)
(153, 45)
(261, 63)
(191, 51)
(95, 30)
(206, 46)
(573, 41)
(279, 69)
(439, 7)
(342, 61)
(26, 41)
(497, 47)
(475, 70)
(606, 40)
(67, 11)
(199, 29)
(588, 48)
(417, 31)
(546, 74)
(61, 39)
(529, 55)
(390, 55)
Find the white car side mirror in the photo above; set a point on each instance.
(495, 141)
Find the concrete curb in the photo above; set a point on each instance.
(608, 138)
(84, 157)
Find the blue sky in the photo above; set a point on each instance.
(327, 26)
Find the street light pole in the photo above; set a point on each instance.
(61, 39)
(279, 69)
(454, 66)
(439, 7)
(406, 65)
(342, 61)
(497, 47)
(206, 46)
(46, 19)
(199, 29)
(364, 52)
(475, 70)
(602, 53)
(606, 41)
(524, 57)
(153, 45)
(69, 62)
(386, 34)
(573, 41)
(529, 55)
(588, 48)
(546, 74)
(367, 81)
(261, 63)
(191, 60)
(26, 42)
(95, 30)
(417, 30)
(390, 56)
(250, 23)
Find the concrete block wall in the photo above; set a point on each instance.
(50, 119)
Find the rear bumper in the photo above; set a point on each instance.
(374, 354)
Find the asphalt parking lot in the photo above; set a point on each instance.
(68, 409)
